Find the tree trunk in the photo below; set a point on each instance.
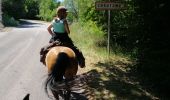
(1, 25)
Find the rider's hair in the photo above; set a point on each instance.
(61, 10)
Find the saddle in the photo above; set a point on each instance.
(44, 50)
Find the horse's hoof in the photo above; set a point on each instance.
(26, 97)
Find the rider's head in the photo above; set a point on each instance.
(62, 12)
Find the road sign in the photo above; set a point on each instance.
(109, 5)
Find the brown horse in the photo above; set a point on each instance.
(61, 62)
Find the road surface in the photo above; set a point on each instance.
(20, 70)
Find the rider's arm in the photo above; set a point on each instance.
(49, 29)
(66, 27)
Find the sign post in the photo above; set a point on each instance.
(108, 43)
(108, 6)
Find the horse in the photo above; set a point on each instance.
(61, 62)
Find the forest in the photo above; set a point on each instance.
(141, 30)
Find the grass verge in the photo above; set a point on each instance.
(116, 80)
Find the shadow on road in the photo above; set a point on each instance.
(29, 24)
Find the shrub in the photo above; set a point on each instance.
(9, 21)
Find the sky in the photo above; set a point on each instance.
(60, 0)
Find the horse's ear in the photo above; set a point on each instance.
(26, 97)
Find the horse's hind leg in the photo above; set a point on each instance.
(55, 94)
(67, 95)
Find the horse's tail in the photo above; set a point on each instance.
(58, 70)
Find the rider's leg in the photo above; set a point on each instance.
(80, 57)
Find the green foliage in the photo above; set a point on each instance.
(47, 9)
(18, 9)
(141, 29)
(93, 34)
(32, 9)
(9, 21)
(78, 7)
(86, 36)
(14, 8)
(123, 23)
(154, 46)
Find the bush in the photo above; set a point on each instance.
(93, 34)
(9, 21)
(47, 9)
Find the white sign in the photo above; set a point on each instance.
(108, 5)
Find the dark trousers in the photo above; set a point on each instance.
(66, 41)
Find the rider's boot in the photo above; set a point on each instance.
(80, 57)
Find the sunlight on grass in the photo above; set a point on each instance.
(84, 38)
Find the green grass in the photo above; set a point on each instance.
(85, 37)
(88, 36)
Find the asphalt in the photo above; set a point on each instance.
(21, 73)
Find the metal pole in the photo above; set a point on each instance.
(108, 45)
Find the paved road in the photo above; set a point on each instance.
(20, 69)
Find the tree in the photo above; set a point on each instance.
(0, 12)
(14, 8)
(0, 15)
(78, 7)
(32, 9)
(47, 9)
(154, 46)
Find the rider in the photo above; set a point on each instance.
(59, 30)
